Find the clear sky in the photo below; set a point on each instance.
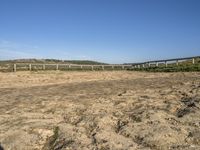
(113, 31)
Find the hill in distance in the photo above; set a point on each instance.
(52, 61)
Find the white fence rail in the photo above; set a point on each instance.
(22, 66)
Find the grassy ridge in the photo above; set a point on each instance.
(50, 61)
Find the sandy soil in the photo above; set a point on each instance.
(115, 110)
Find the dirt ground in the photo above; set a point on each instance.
(117, 110)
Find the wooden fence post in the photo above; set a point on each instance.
(15, 68)
(30, 67)
(56, 66)
(102, 67)
(165, 63)
(92, 68)
(157, 64)
(177, 63)
(43, 66)
(193, 61)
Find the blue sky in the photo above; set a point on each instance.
(113, 31)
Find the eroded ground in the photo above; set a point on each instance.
(99, 110)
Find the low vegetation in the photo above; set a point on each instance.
(183, 68)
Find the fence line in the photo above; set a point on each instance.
(69, 66)
(165, 62)
(146, 64)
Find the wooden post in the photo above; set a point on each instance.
(157, 64)
(56, 66)
(102, 67)
(122, 66)
(113, 67)
(15, 68)
(92, 68)
(193, 61)
(149, 65)
(69, 66)
(81, 67)
(30, 67)
(43, 67)
(165, 63)
(176, 62)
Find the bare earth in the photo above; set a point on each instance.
(115, 110)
